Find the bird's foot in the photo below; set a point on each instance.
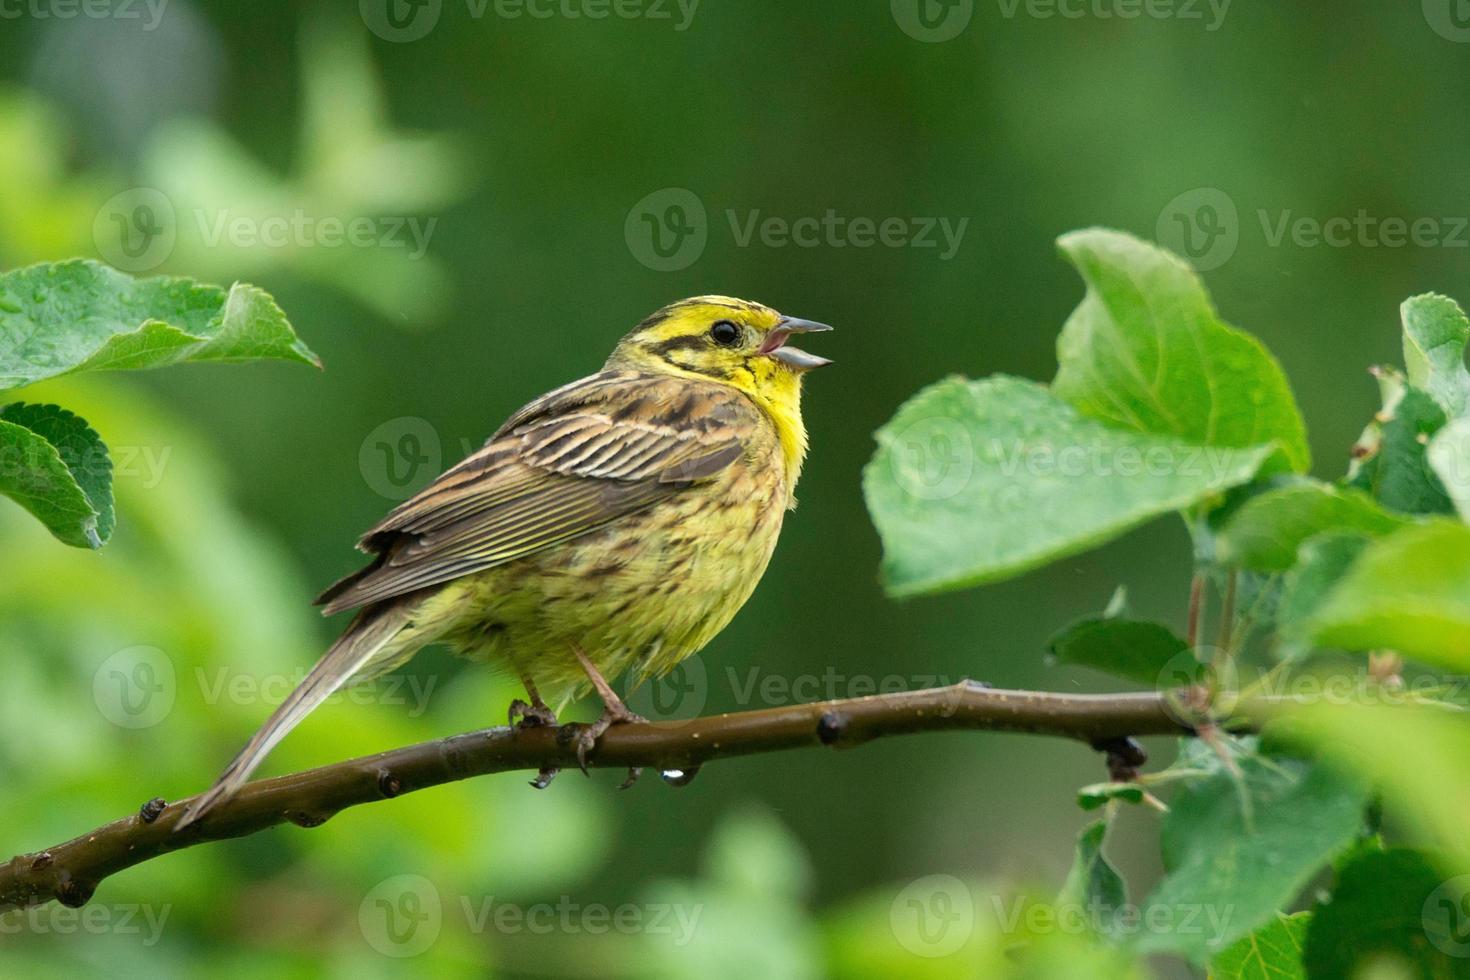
(537, 715)
(614, 712)
(585, 737)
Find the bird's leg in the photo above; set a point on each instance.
(613, 707)
(614, 712)
(533, 715)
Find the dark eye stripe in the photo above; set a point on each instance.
(684, 342)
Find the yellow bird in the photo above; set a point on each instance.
(613, 525)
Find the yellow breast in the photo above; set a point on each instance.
(781, 400)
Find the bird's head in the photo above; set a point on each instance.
(730, 341)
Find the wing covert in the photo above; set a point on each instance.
(565, 465)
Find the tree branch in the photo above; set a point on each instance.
(70, 872)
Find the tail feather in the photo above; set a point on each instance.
(354, 650)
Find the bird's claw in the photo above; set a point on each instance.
(586, 739)
(633, 773)
(586, 736)
(544, 777)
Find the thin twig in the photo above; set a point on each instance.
(70, 872)
(1196, 609)
(1226, 643)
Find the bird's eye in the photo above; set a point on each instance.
(725, 333)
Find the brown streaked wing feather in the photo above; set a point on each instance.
(572, 462)
(589, 390)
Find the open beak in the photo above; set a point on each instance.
(793, 357)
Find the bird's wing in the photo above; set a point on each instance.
(568, 463)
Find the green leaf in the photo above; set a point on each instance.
(1408, 592)
(56, 467)
(1324, 560)
(1267, 530)
(1417, 756)
(1095, 795)
(941, 928)
(1257, 601)
(1237, 854)
(1435, 334)
(1145, 350)
(1272, 952)
(1449, 456)
(976, 481)
(751, 852)
(351, 159)
(1193, 757)
(82, 315)
(751, 919)
(1390, 458)
(1094, 886)
(1384, 908)
(1133, 649)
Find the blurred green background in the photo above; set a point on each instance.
(505, 175)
